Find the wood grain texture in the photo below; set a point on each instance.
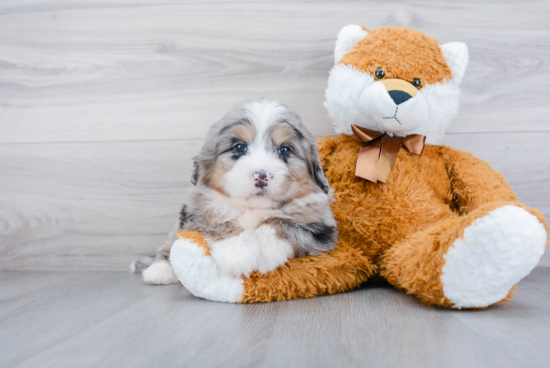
(89, 206)
(87, 71)
(103, 105)
(113, 320)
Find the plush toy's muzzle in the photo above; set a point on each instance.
(395, 105)
(399, 90)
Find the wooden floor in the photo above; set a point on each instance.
(110, 319)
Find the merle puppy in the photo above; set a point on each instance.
(260, 196)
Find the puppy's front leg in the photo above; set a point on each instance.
(274, 251)
(237, 255)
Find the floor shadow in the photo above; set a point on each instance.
(375, 283)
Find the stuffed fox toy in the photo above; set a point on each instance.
(435, 222)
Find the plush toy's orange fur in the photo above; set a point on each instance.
(400, 230)
(402, 52)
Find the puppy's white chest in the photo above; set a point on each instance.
(251, 219)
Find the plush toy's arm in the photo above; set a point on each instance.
(337, 271)
(340, 270)
(474, 182)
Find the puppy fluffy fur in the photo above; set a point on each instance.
(260, 198)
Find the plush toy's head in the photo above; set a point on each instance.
(395, 80)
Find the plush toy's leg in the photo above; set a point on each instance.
(340, 270)
(471, 261)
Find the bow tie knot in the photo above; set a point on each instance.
(379, 152)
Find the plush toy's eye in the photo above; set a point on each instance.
(379, 74)
(241, 148)
(416, 82)
(284, 151)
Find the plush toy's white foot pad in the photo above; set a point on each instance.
(200, 275)
(497, 251)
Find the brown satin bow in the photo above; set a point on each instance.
(379, 152)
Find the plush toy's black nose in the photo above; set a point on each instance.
(399, 96)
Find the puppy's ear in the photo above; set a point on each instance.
(321, 179)
(196, 171)
(317, 173)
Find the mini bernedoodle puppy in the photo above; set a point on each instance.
(260, 197)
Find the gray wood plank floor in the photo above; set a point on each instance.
(109, 319)
(104, 103)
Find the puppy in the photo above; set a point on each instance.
(260, 197)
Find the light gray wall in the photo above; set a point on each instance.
(103, 104)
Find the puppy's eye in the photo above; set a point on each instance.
(241, 148)
(379, 74)
(284, 151)
(416, 82)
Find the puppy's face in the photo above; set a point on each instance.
(261, 153)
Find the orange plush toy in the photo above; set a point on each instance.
(434, 221)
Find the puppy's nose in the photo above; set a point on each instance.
(399, 96)
(261, 178)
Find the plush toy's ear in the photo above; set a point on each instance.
(456, 55)
(347, 39)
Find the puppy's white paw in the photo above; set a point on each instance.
(159, 273)
(201, 276)
(274, 251)
(238, 255)
(497, 251)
